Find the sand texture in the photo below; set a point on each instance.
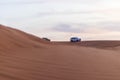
(26, 57)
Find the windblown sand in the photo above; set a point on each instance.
(26, 57)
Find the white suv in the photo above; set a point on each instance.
(75, 39)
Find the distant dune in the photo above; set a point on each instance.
(103, 44)
(26, 57)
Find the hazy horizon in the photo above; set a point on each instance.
(62, 19)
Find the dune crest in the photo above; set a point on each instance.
(12, 38)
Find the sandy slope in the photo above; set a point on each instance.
(25, 57)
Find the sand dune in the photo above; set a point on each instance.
(11, 38)
(26, 57)
(103, 44)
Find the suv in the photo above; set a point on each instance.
(75, 39)
(46, 39)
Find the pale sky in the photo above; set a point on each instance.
(61, 19)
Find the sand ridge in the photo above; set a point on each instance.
(11, 38)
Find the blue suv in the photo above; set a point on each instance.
(75, 39)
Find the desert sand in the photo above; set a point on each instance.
(26, 57)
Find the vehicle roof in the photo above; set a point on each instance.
(74, 37)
